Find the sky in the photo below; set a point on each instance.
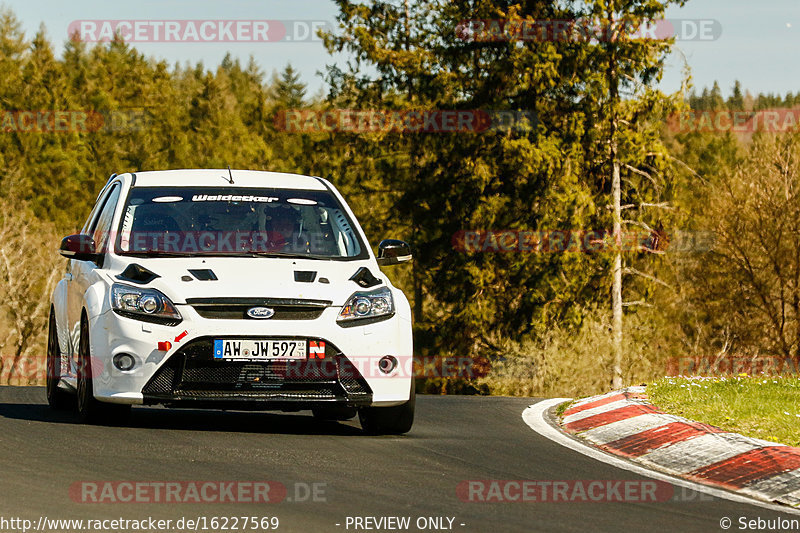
(758, 44)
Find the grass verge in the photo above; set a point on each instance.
(762, 407)
(560, 408)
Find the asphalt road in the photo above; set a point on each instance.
(44, 453)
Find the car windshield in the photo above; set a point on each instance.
(236, 221)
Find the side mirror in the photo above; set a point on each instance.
(80, 247)
(392, 252)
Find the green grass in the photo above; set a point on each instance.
(762, 407)
(560, 408)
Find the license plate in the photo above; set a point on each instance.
(259, 350)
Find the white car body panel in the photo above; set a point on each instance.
(86, 288)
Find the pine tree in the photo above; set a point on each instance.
(287, 88)
(736, 100)
(716, 101)
(543, 177)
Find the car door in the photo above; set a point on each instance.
(80, 272)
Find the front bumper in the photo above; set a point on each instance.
(188, 375)
(192, 375)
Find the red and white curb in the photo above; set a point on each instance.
(626, 424)
(538, 418)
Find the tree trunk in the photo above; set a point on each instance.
(616, 290)
(616, 194)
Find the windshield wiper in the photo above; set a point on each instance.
(290, 255)
(243, 253)
(158, 253)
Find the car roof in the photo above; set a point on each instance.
(220, 177)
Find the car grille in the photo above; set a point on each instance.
(192, 373)
(236, 308)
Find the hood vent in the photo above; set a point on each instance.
(305, 276)
(205, 274)
(364, 278)
(137, 274)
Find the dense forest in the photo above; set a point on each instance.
(591, 130)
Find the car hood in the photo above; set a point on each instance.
(251, 277)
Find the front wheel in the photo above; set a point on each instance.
(57, 398)
(389, 420)
(90, 410)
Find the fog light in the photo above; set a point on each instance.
(124, 361)
(387, 364)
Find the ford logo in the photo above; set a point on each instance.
(260, 312)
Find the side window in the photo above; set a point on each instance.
(85, 230)
(102, 227)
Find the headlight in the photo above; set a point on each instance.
(367, 306)
(148, 305)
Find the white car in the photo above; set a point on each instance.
(233, 290)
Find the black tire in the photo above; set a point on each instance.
(389, 420)
(58, 399)
(334, 413)
(90, 410)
